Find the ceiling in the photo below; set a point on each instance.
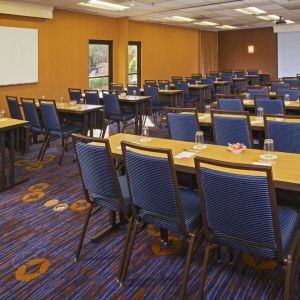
(221, 12)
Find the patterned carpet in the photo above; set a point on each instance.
(37, 246)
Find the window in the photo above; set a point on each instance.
(100, 64)
(134, 63)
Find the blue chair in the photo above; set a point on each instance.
(293, 82)
(113, 112)
(252, 72)
(190, 80)
(188, 99)
(150, 82)
(102, 186)
(118, 87)
(152, 91)
(176, 79)
(240, 74)
(92, 97)
(231, 127)
(285, 134)
(240, 212)
(53, 127)
(13, 106)
(230, 103)
(253, 92)
(163, 83)
(214, 73)
(228, 77)
(293, 94)
(31, 115)
(197, 77)
(210, 83)
(158, 200)
(275, 85)
(132, 88)
(212, 77)
(75, 94)
(181, 126)
(274, 106)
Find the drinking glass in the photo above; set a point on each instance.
(247, 96)
(2, 114)
(166, 87)
(268, 146)
(207, 109)
(287, 97)
(62, 99)
(199, 140)
(260, 113)
(134, 93)
(145, 134)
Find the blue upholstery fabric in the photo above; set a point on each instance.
(212, 77)
(37, 130)
(240, 74)
(112, 105)
(162, 85)
(253, 92)
(227, 77)
(30, 113)
(50, 116)
(153, 92)
(230, 104)
(153, 192)
(252, 72)
(92, 97)
(191, 81)
(294, 94)
(67, 130)
(210, 82)
(125, 116)
(75, 95)
(13, 107)
(131, 88)
(231, 130)
(270, 106)
(118, 87)
(286, 135)
(98, 177)
(293, 83)
(279, 85)
(184, 87)
(182, 126)
(197, 77)
(241, 218)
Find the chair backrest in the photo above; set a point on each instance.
(155, 192)
(208, 81)
(197, 77)
(275, 85)
(190, 80)
(30, 112)
(176, 78)
(252, 72)
(132, 88)
(239, 206)
(226, 77)
(153, 92)
(13, 106)
(293, 94)
(118, 87)
(97, 169)
(182, 126)
(253, 92)
(151, 82)
(92, 97)
(293, 82)
(75, 94)
(285, 133)
(49, 115)
(231, 127)
(111, 103)
(240, 74)
(180, 85)
(163, 83)
(270, 105)
(233, 104)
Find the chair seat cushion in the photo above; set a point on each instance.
(191, 209)
(113, 203)
(122, 117)
(37, 130)
(67, 131)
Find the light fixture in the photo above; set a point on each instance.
(250, 49)
(206, 23)
(226, 27)
(103, 5)
(180, 19)
(250, 10)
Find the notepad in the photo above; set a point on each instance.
(184, 155)
(256, 122)
(203, 117)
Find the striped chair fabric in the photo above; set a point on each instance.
(279, 85)
(270, 105)
(14, 108)
(293, 94)
(92, 97)
(230, 104)
(253, 92)
(31, 115)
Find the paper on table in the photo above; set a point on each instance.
(256, 122)
(262, 163)
(287, 102)
(184, 154)
(203, 117)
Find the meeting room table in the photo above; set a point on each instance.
(286, 171)
(222, 87)
(253, 79)
(10, 132)
(200, 90)
(241, 84)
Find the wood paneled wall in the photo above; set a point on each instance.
(233, 50)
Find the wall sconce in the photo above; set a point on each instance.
(251, 49)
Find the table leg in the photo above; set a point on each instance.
(137, 118)
(2, 153)
(12, 156)
(85, 124)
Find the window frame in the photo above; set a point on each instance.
(139, 61)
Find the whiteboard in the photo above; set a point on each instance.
(18, 55)
(288, 54)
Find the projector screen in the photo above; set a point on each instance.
(288, 53)
(18, 55)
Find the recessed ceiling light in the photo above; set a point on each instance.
(244, 11)
(206, 23)
(180, 19)
(289, 22)
(226, 27)
(103, 5)
(255, 10)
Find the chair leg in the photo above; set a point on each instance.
(102, 135)
(203, 272)
(191, 241)
(287, 281)
(45, 148)
(85, 226)
(119, 129)
(230, 253)
(163, 235)
(129, 252)
(64, 146)
(43, 145)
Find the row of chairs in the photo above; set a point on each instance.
(293, 94)
(150, 193)
(235, 127)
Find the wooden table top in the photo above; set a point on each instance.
(130, 98)
(8, 123)
(239, 79)
(221, 82)
(169, 92)
(254, 75)
(197, 86)
(286, 170)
